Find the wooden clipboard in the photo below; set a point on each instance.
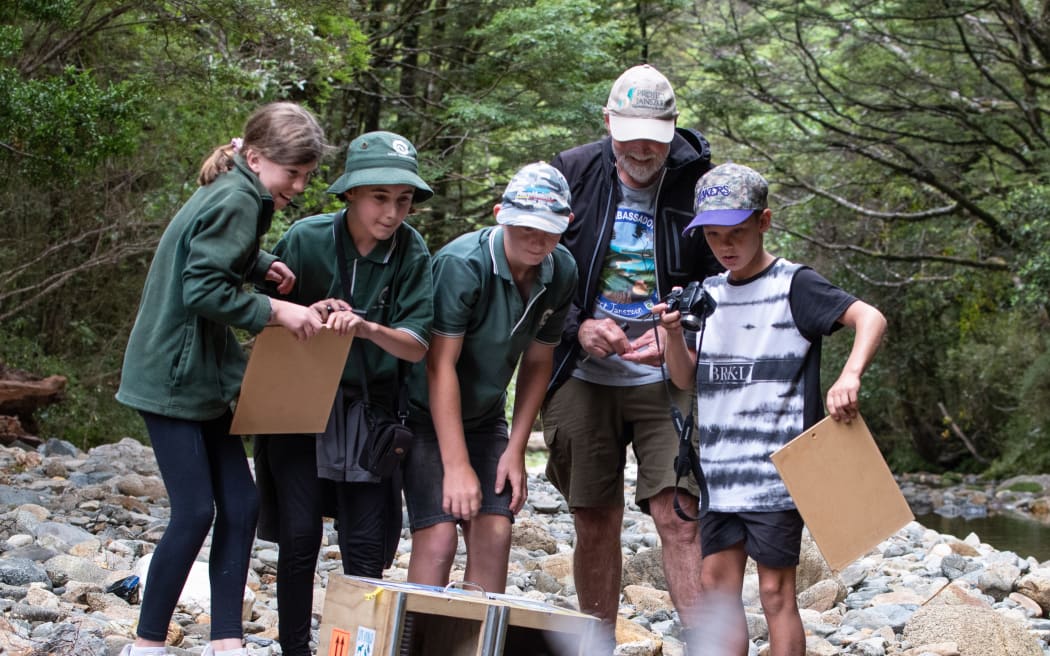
(843, 489)
(289, 385)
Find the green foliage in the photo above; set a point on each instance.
(68, 123)
(1028, 212)
(1025, 486)
(87, 415)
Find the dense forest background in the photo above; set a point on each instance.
(906, 142)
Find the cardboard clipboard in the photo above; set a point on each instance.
(289, 385)
(843, 489)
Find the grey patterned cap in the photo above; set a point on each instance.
(641, 105)
(537, 197)
(728, 194)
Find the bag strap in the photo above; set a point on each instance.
(344, 281)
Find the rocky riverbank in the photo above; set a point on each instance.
(73, 523)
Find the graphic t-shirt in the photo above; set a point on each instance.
(627, 288)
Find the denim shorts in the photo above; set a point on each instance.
(424, 475)
(773, 539)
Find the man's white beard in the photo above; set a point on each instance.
(644, 172)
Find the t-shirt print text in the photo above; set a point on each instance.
(730, 372)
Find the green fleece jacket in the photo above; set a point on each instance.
(182, 359)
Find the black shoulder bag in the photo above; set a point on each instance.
(388, 439)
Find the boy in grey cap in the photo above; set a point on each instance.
(501, 294)
(757, 388)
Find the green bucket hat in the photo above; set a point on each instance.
(381, 158)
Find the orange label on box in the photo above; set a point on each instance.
(340, 643)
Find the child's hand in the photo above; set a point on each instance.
(282, 275)
(301, 320)
(511, 470)
(461, 492)
(671, 321)
(329, 307)
(842, 398)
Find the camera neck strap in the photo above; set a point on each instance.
(688, 460)
(344, 280)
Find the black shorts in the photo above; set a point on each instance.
(424, 476)
(773, 539)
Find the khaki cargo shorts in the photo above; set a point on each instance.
(587, 428)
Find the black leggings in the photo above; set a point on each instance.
(207, 477)
(360, 511)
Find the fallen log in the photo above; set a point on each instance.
(21, 394)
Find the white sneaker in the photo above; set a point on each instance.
(157, 651)
(208, 651)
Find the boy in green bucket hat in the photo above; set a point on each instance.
(363, 269)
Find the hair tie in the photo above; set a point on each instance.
(236, 142)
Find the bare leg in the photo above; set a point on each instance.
(598, 564)
(776, 588)
(433, 550)
(681, 549)
(721, 622)
(488, 550)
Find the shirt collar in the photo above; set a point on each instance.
(501, 267)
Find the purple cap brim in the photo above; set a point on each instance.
(719, 218)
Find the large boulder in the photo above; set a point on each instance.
(976, 631)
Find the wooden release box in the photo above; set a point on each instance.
(370, 617)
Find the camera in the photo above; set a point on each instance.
(693, 302)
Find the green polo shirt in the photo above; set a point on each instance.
(475, 298)
(392, 284)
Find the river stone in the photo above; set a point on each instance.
(811, 565)
(532, 535)
(645, 568)
(997, 580)
(33, 552)
(934, 649)
(64, 568)
(646, 599)
(876, 617)
(1036, 586)
(61, 536)
(136, 485)
(977, 631)
(55, 447)
(822, 595)
(22, 572)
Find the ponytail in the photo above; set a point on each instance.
(220, 161)
(282, 132)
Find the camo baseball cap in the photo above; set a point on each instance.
(381, 158)
(728, 194)
(537, 197)
(642, 106)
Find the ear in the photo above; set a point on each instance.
(765, 219)
(605, 117)
(253, 160)
(495, 209)
(571, 217)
